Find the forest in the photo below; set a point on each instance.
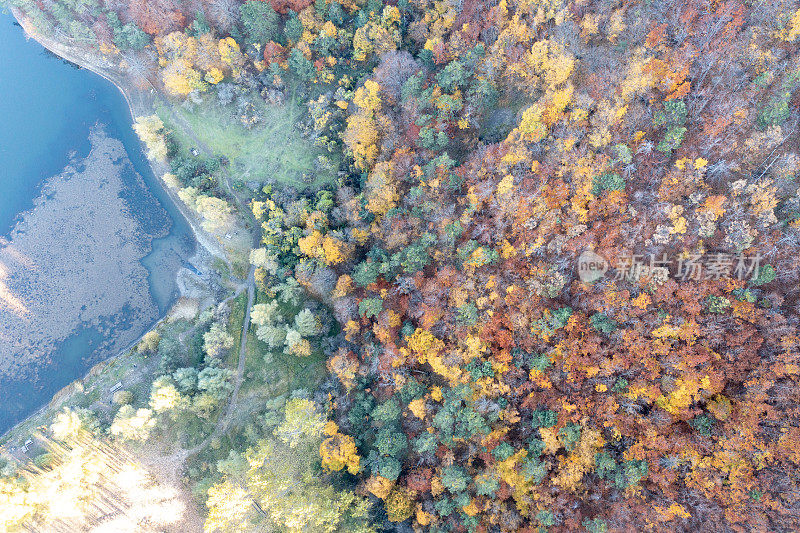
(521, 265)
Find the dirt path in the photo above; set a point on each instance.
(224, 418)
(187, 129)
(241, 204)
(166, 468)
(251, 296)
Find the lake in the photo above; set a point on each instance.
(89, 240)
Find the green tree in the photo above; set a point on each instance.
(265, 314)
(387, 412)
(454, 478)
(672, 139)
(200, 25)
(301, 67)
(544, 418)
(766, 274)
(273, 336)
(486, 485)
(607, 182)
(290, 291)
(596, 525)
(467, 314)
(185, 379)
(425, 443)
(130, 37)
(215, 381)
(216, 341)
(391, 441)
(283, 479)
(132, 424)
(306, 323)
(452, 76)
(603, 323)
(336, 14)
(365, 273)
(170, 352)
(293, 29)
(259, 20)
(370, 307)
(388, 467)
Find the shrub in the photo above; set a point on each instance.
(603, 324)
(607, 182)
(766, 274)
(122, 397)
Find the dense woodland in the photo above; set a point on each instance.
(475, 381)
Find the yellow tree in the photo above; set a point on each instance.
(339, 451)
(88, 482)
(216, 212)
(361, 137)
(150, 130)
(378, 35)
(280, 477)
(381, 191)
(361, 134)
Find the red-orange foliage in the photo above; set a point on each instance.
(157, 17)
(694, 378)
(282, 6)
(274, 53)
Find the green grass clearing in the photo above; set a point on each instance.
(271, 150)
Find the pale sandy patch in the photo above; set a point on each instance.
(184, 308)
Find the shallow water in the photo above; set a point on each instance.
(47, 110)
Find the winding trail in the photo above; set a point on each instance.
(225, 417)
(189, 132)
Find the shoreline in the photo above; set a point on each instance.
(136, 110)
(202, 256)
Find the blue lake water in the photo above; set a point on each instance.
(47, 109)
